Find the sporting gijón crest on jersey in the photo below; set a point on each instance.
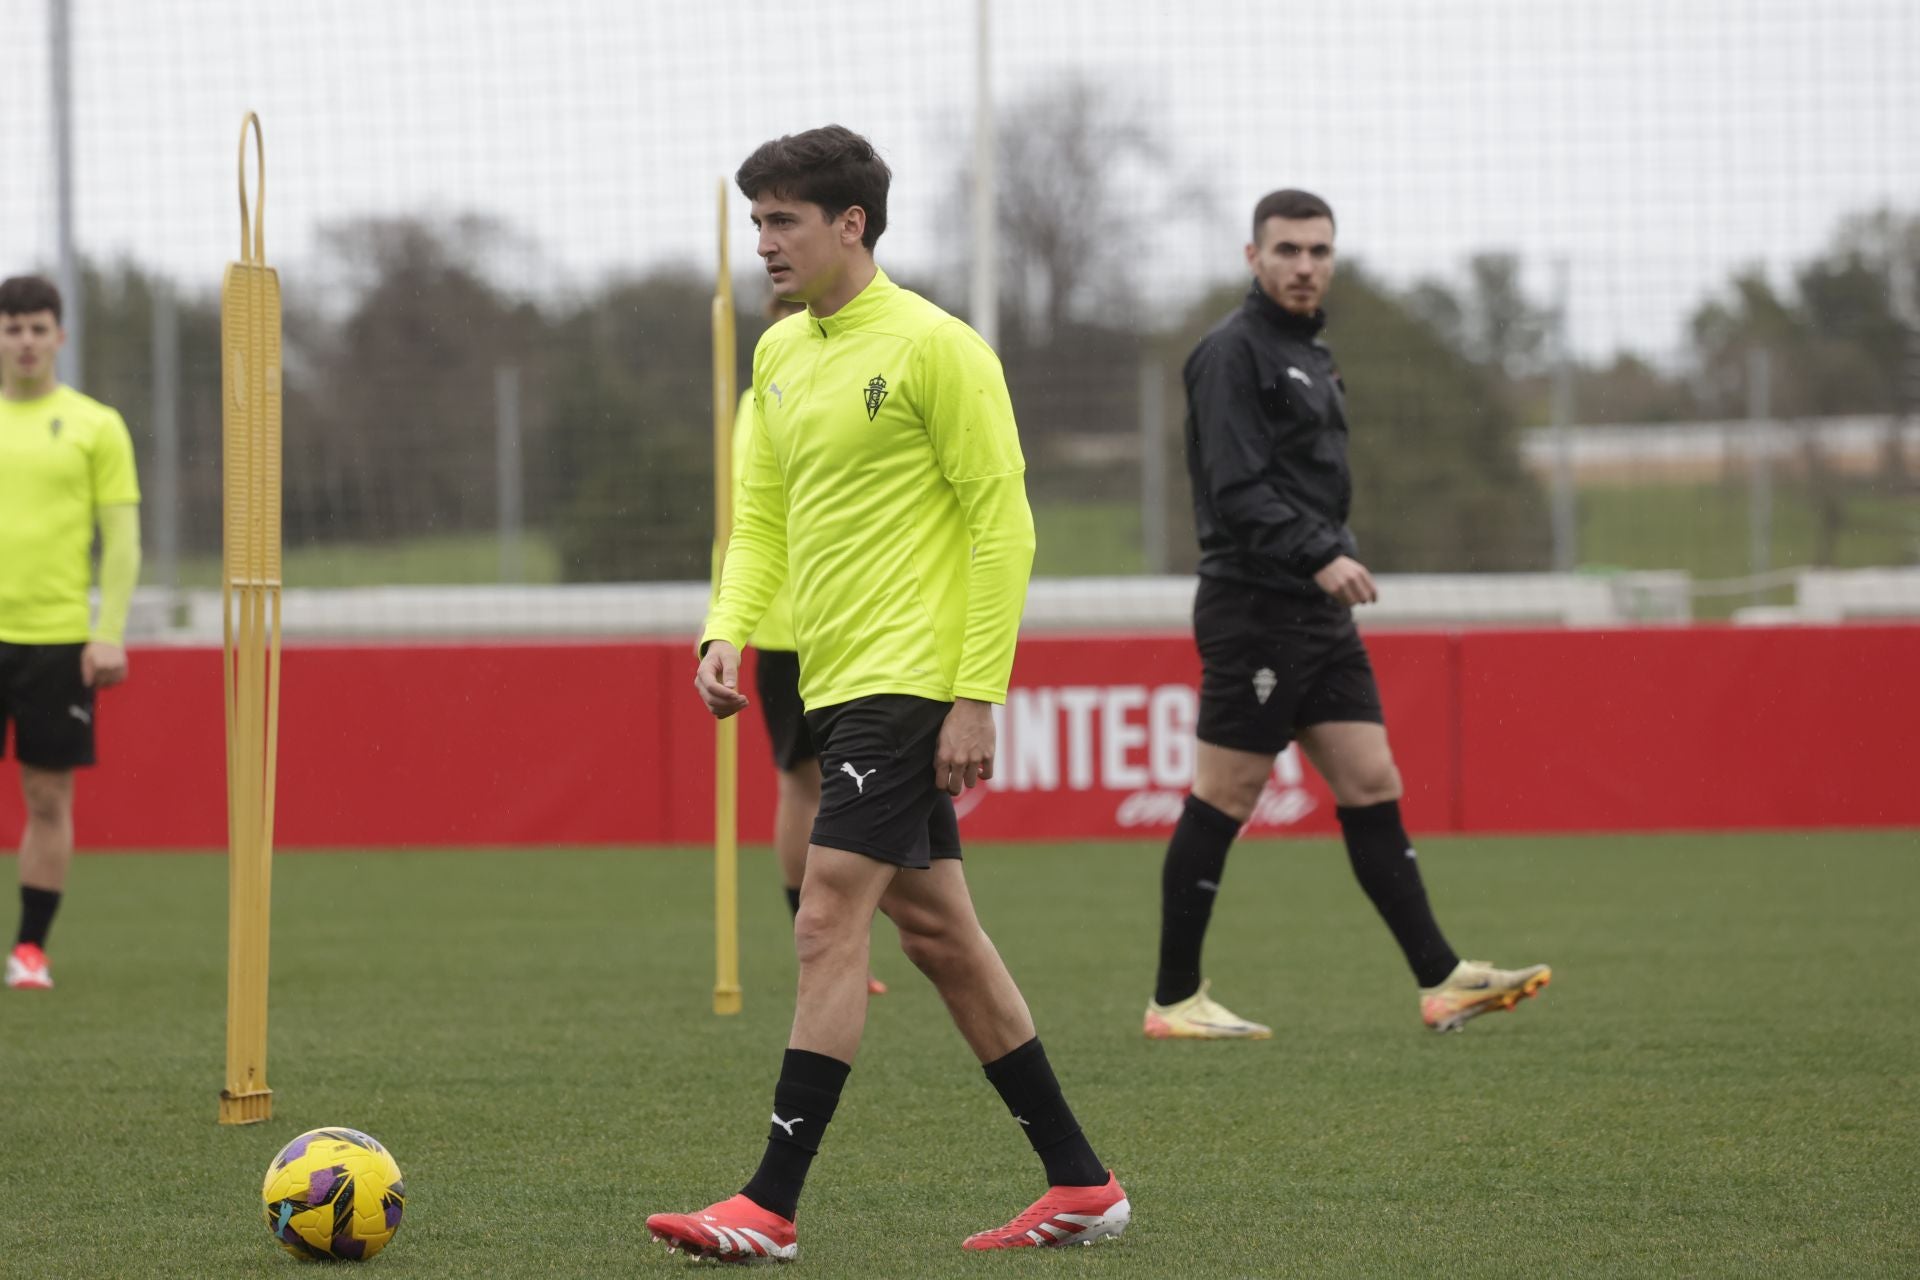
(887, 489)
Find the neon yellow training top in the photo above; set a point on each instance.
(887, 476)
(775, 629)
(62, 458)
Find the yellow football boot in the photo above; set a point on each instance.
(1200, 1017)
(1476, 987)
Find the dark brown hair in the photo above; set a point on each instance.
(1289, 204)
(24, 295)
(833, 167)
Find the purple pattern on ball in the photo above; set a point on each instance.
(320, 1185)
(348, 1247)
(293, 1150)
(393, 1214)
(366, 1140)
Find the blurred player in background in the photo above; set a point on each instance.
(66, 465)
(886, 471)
(776, 678)
(1273, 618)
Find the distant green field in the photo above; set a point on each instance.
(1705, 529)
(1085, 540)
(1702, 529)
(456, 559)
(1074, 540)
(1723, 1079)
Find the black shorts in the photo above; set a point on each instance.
(877, 794)
(50, 708)
(776, 678)
(1273, 664)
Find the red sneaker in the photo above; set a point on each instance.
(735, 1230)
(1065, 1215)
(27, 968)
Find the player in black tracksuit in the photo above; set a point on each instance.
(1281, 659)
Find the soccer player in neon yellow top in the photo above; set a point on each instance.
(887, 488)
(66, 464)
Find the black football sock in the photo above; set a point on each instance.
(1384, 864)
(1189, 881)
(803, 1102)
(793, 899)
(1026, 1084)
(36, 914)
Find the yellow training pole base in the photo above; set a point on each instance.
(246, 1108)
(726, 999)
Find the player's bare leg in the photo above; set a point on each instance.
(46, 846)
(1357, 762)
(838, 897)
(1229, 780)
(831, 936)
(942, 936)
(796, 802)
(46, 851)
(1226, 786)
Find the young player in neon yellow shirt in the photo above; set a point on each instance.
(886, 487)
(66, 464)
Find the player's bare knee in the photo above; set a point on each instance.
(1373, 783)
(922, 933)
(1230, 780)
(48, 797)
(931, 953)
(818, 933)
(1235, 797)
(943, 954)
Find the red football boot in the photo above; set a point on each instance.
(735, 1230)
(1064, 1215)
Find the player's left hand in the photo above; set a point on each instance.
(965, 755)
(102, 665)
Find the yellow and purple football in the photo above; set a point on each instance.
(333, 1193)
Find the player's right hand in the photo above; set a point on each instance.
(717, 680)
(1347, 580)
(102, 664)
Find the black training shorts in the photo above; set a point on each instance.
(776, 678)
(877, 794)
(1273, 664)
(50, 708)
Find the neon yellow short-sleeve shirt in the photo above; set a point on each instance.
(62, 458)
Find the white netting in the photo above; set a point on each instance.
(1652, 263)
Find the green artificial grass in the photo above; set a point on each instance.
(1723, 1079)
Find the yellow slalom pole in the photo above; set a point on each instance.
(726, 779)
(250, 648)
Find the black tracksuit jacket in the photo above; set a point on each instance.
(1267, 449)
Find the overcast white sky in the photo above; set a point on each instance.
(1657, 144)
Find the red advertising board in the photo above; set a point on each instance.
(605, 743)
(1096, 741)
(1698, 728)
